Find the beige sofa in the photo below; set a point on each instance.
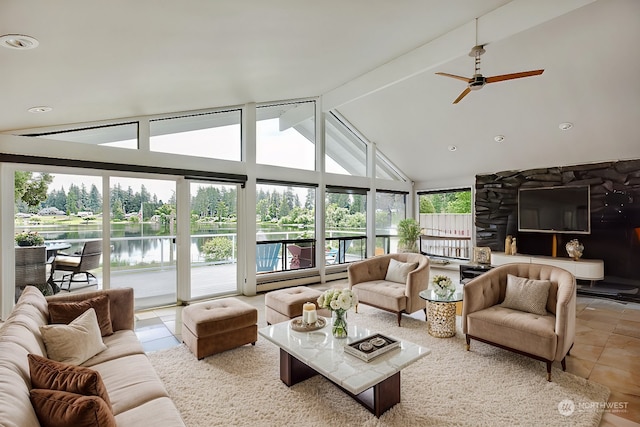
(546, 336)
(137, 395)
(367, 279)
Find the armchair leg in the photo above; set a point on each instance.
(399, 318)
(563, 362)
(356, 308)
(468, 342)
(549, 363)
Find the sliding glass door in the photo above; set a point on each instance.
(142, 239)
(214, 238)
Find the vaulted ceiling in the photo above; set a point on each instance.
(374, 61)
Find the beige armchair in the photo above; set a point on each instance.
(547, 337)
(368, 279)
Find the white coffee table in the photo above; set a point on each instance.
(375, 384)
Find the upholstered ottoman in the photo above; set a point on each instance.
(286, 304)
(215, 326)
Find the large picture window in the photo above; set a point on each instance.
(124, 135)
(212, 135)
(391, 208)
(286, 135)
(345, 224)
(346, 152)
(446, 221)
(285, 216)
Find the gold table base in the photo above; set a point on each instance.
(441, 319)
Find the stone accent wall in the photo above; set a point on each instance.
(615, 210)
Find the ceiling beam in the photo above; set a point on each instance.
(501, 23)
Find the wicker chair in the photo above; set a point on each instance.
(76, 264)
(31, 268)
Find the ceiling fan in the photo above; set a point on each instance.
(478, 81)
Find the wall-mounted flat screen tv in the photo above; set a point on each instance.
(554, 209)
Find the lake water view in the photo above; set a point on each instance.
(151, 243)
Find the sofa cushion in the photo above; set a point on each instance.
(398, 271)
(131, 381)
(526, 294)
(76, 342)
(62, 409)
(383, 294)
(65, 312)
(120, 344)
(52, 375)
(515, 329)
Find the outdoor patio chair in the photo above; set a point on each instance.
(301, 256)
(78, 264)
(267, 256)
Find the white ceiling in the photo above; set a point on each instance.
(372, 60)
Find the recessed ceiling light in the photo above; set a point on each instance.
(452, 148)
(498, 138)
(565, 125)
(18, 41)
(41, 109)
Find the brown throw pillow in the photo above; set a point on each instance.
(63, 409)
(526, 294)
(65, 312)
(52, 375)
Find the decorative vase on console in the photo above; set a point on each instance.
(574, 249)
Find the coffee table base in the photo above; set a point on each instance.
(377, 399)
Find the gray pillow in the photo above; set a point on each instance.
(526, 294)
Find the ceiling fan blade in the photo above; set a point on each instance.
(462, 95)
(512, 76)
(464, 79)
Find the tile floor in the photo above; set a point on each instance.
(606, 350)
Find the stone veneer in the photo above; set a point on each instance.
(615, 211)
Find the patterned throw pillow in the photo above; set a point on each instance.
(526, 294)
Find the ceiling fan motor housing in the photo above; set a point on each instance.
(477, 82)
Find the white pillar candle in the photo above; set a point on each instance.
(309, 314)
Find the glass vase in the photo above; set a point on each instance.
(339, 327)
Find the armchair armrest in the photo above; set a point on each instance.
(417, 281)
(121, 305)
(480, 293)
(565, 316)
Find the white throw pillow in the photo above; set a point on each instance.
(76, 342)
(526, 294)
(398, 271)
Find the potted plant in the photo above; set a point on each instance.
(29, 238)
(408, 233)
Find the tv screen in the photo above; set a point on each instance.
(554, 209)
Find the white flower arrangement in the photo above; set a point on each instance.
(337, 299)
(442, 285)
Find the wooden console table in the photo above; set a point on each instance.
(585, 269)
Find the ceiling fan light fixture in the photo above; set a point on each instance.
(565, 126)
(18, 41)
(498, 138)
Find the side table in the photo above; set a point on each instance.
(441, 313)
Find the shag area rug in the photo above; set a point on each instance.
(486, 386)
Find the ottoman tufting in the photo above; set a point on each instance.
(286, 304)
(215, 326)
